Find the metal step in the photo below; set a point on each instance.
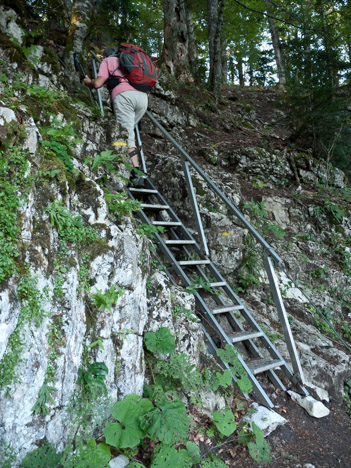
(180, 242)
(194, 262)
(166, 223)
(148, 206)
(245, 335)
(142, 190)
(212, 285)
(223, 309)
(257, 366)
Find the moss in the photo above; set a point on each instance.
(87, 190)
(198, 187)
(15, 53)
(97, 248)
(50, 57)
(11, 135)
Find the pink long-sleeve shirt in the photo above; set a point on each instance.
(107, 67)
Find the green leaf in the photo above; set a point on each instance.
(225, 423)
(109, 298)
(169, 457)
(260, 450)
(213, 463)
(223, 380)
(127, 431)
(42, 457)
(244, 384)
(90, 455)
(228, 355)
(161, 341)
(245, 434)
(168, 422)
(193, 452)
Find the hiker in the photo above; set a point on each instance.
(128, 103)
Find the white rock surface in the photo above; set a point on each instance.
(8, 25)
(320, 392)
(313, 407)
(119, 462)
(6, 115)
(267, 420)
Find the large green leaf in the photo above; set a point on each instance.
(213, 463)
(225, 423)
(161, 341)
(169, 457)
(42, 457)
(261, 450)
(168, 422)
(126, 432)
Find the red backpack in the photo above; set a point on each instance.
(137, 67)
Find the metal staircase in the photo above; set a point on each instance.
(224, 317)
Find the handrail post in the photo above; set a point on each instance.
(195, 207)
(98, 90)
(140, 146)
(283, 317)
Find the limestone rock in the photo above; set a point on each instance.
(8, 25)
(267, 420)
(313, 407)
(119, 462)
(6, 115)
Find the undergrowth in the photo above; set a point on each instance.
(159, 419)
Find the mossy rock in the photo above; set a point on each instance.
(11, 134)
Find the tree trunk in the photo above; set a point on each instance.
(240, 71)
(175, 53)
(191, 39)
(78, 30)
(224, 62)
(329, 52)
(215, 12)
(278, 53)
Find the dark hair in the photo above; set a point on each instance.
(109, 51)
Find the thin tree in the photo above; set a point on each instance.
(78, 30)
(278, 53)
(215, 14)
(175, 55)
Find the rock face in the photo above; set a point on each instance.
(85, 290)
(73, 251)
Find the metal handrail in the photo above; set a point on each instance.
(269, 253)
(233, 208)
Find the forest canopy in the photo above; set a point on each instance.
(302, 47)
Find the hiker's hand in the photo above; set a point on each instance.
(87, 81)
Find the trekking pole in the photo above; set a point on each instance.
(98, 91)
(79, 68)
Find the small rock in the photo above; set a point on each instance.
(266, 419)
(6, 115)
(119, 462)
(320, 392)
(313, 407)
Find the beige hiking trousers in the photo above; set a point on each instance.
(129, 107)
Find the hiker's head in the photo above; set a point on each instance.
(109, 51)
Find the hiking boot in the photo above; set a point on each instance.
(137, 181)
